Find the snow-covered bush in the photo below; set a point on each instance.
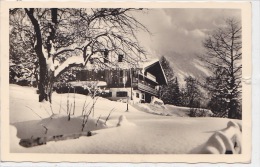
(152, 108)
(22, 73)
(123, 121)
(23, 64)
(198, 112)
(155, 100)
(63, 87)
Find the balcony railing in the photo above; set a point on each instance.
(147, 89)
(151, 77)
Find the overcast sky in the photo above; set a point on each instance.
(178, 33)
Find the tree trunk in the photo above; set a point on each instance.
(46, 75)
(231, 110)
(45, 85)
(48, 79)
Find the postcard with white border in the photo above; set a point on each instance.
(126, 82)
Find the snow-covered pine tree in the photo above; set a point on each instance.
(23, 64)
(177, 93)
(170, 94)
(191, 93)
(168, 71)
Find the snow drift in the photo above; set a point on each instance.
(151, 133)
(226, 141)
(171, 110)
(122, 121)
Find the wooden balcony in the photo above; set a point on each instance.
(147, 89)
(151, 77)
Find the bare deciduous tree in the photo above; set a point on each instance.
(64, 38)
(223, 57)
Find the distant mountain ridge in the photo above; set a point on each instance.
(187, 65)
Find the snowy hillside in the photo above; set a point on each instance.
(132, 132)
(167, 110)
(187, 68)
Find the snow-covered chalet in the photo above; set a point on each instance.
(122, 82)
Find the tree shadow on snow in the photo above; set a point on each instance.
(55, 128)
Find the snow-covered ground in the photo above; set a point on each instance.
(138, 132)
(166, 110)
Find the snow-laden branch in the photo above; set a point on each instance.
(72, 47)
(75, 46)
(74, 60)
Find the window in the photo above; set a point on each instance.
(121, 73)
(120, 58)
(109, 94)
(106, 56)
(134, 77)
(137, 95)
(121, 81)
(121, 94)
(122, 77)
(135, 80)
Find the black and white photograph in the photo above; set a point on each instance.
(127, 80)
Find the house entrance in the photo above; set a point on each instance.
(147, 98)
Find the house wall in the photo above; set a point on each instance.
(116, 77)
(120, 80)
(114, 96)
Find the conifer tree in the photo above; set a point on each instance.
(176, 93)
(191, 93)
(170, 94)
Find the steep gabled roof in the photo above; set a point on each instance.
(155, 68)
